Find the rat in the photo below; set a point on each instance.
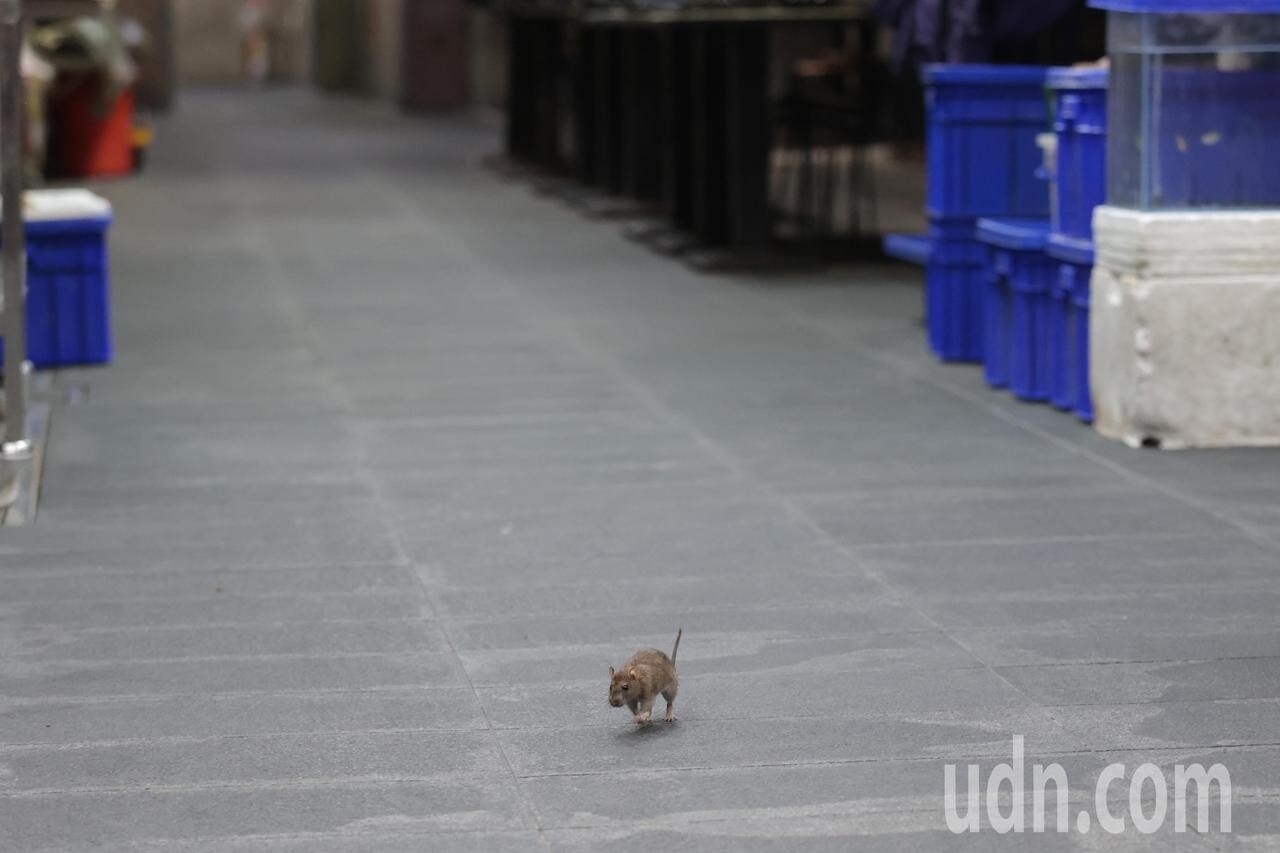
(637, 685)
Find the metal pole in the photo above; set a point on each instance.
(16, 443)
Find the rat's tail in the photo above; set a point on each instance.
(676, 648)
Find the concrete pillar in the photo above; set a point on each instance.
(488, 60)
(340, 45)
(436, 57)
(386, 44)
(157, 73)
(207, 41)
(1185, 328)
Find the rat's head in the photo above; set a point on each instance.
(622, 687)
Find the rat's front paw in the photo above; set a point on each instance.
(643, 719)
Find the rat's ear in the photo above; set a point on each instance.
(631, 673)
(611, 672)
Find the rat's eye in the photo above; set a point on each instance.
(625, 687)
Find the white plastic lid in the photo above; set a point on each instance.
(55, 205)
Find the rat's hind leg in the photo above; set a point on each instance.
(670, 695)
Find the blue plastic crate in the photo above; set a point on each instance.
(912, 248)
(982, 154)
(997, 322)
(1075, 272)
(953, 291)
(68, 301)
(1080, 124)
(997, 316)
(1021, 282)
(1062, 343)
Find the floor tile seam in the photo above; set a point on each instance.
(340, 396)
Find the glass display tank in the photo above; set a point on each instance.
(1194, 104)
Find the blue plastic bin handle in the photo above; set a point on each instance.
(1066, 280)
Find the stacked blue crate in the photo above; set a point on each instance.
(983, 161)
(1070, 391)
(1019, 284)
(953, 295)
(1080, 123)
(68, 304)
(913, 248)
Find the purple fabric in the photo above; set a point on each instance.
(1017, 20)
(964, 30)
(899, 15)
(968, 31)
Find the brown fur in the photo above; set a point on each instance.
(647, 674)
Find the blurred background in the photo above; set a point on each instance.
(385, 370)
(844, 78)
(137, 54)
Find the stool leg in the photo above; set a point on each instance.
(857, 166)
(808, 173)
(829, 193)
(873, 202)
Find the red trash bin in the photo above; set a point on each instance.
(87, 144)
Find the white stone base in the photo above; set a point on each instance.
(1185, 326)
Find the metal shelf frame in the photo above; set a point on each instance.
(16, 444)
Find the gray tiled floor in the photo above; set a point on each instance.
(396, 458)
